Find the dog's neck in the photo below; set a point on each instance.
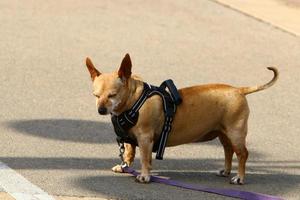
(134, 87)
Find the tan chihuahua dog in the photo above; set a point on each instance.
(206, 112)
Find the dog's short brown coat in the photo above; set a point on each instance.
(206, 112)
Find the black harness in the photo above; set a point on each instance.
(126, 120)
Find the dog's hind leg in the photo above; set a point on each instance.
(242, 155)
(237, 139)
(228, 151)
(235, 127)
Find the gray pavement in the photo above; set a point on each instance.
(53, 136)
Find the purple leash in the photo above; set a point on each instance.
(224, 192)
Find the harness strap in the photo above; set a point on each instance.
(128, 119)
(163, 138)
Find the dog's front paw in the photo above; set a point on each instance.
(237, 181)
(223, 173)
(117, 169)
(143, 178)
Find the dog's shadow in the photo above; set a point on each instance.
(73, 130)
(66, 129)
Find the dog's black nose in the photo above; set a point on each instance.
(102, 110)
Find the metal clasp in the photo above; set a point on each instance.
(121, 155)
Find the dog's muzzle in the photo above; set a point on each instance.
(102, 110)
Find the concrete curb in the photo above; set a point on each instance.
(5, 196)
(274, 12)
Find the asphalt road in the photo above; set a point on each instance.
(51, 132)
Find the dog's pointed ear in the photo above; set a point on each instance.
(92, 69)
(125, 68)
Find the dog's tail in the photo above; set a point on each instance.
(248, 90)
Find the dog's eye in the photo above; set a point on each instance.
(96, 95)
(112, 95)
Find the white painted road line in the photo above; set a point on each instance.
(19, 187)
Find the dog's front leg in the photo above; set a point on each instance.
(128, 157)
(145, 144)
